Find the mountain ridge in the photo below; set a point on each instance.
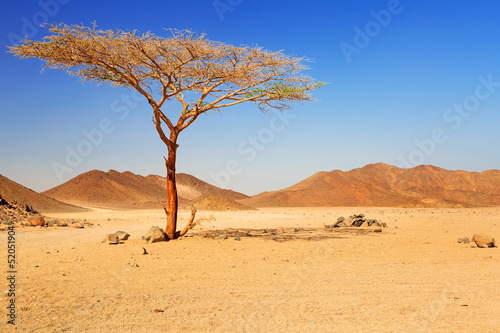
(385, 185)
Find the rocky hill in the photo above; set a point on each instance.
(126, 190)
(388, 186)
(12, 191)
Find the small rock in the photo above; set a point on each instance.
(122, 235)
(222, 237)
(36, 221)
(112, 238)
(237, 238)
(154, 234)
(340, 219)
(77, 225)
(377, 230)
(463, 240)
(483, 240)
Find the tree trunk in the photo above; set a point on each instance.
(172, 201)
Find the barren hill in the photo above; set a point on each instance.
(388, 186)
(12, 191)
(127, 190)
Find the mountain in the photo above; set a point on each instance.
(12, 191)
(127, 190)
(388, 186)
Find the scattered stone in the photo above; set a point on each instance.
(463, 240)
(112, 238)
(122, 235)
(483, 240)
(356, 220)
(36, 220)
(155, 234)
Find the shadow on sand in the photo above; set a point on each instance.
(287, 234)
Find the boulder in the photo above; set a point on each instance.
(122, 235)
(36, 220)
(154, 234)
(483, 240)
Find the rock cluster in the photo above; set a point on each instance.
(13, 213)
(356, 220)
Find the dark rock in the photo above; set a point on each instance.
(358, 223)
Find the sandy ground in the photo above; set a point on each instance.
(411, 277)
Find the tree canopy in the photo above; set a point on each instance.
(161, 68)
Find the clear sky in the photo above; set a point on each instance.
(410, 82)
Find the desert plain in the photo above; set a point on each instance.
(286, 273)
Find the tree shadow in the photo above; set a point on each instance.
(287, 234)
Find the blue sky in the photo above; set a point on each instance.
(410, 82)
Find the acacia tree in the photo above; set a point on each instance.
(184, 65)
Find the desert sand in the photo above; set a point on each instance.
(412, 277)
